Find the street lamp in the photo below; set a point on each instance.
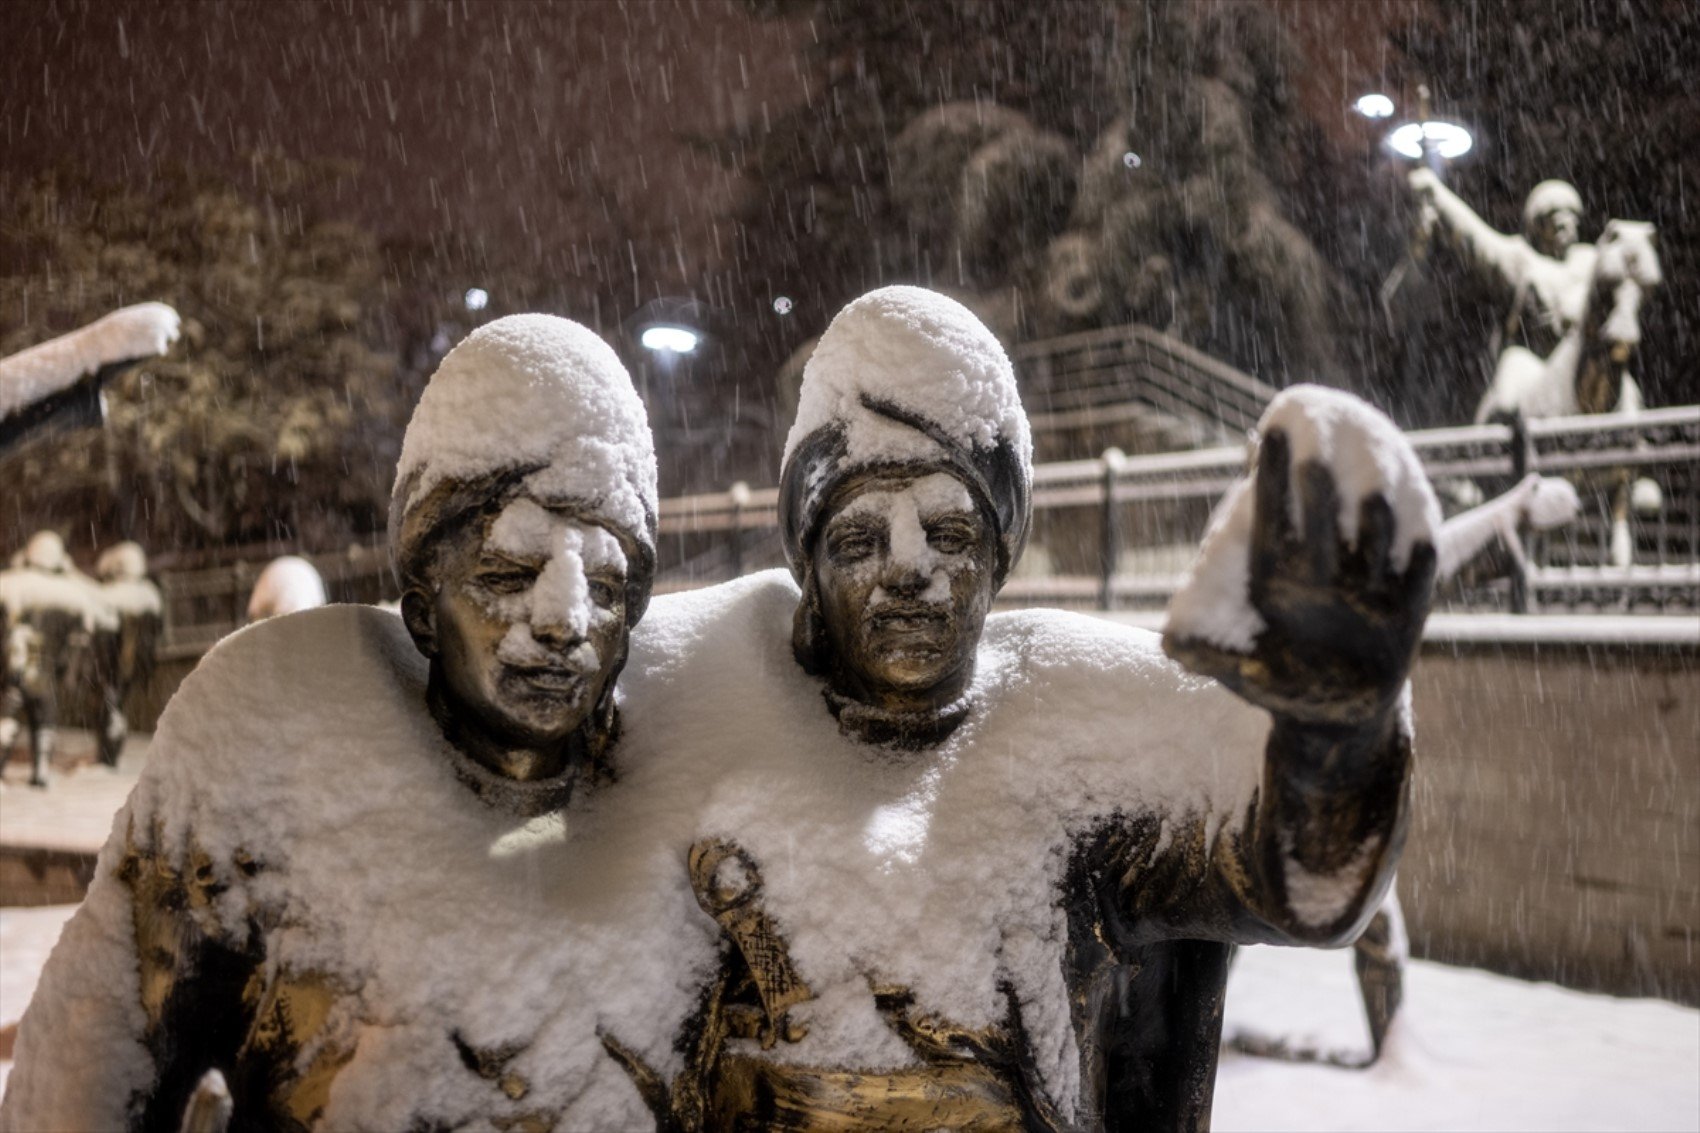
(1374, 106)
(1416, 140)
(664, 338)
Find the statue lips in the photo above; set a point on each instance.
(562, 682)
(911, 625)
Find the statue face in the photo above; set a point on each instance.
(530, 621)
(1555, 231)
(904, 567)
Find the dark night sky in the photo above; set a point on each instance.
(513, 134)
(509, 132)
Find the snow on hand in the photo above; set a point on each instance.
(139, 331)
(1366, 453)
(923, 352)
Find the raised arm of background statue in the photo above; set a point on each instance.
(1501, 258)
(1341, 619)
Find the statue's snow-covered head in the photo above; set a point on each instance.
(904, 501)
(523, 524)
(533, 405)
(1552, 217)
(907, 379)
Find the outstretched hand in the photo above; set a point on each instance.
(1341, 621)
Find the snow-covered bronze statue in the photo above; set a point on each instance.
(1572, 325)
(330, 884)
(124, 651)
(48, 610)
(977, 870)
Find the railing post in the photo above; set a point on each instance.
(1110, 546)
(1520, 461)
(740, 496)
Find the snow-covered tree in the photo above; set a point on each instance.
(1165, 137)
(273, 417)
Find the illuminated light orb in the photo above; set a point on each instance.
(1448, 139)
(669, 339)
(1374, 106)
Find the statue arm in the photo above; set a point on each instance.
(1308, 862)
(1501, 258)
(140, 998)
(1338, 624)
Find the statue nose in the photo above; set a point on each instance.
(904, 579)
(554, 632)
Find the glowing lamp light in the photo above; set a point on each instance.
(1448, 139)
(477, 298)
(1374, 106)
(669, 339)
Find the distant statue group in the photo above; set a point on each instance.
(56, 621)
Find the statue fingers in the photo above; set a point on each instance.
(1272, 517)
(1419, 581)
(1373, 554)
(1319, 505)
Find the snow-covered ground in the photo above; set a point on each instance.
(1472, 1051)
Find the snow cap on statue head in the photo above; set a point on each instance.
(906, 377)
(122, 562)
(46, 551)
(1550, 196)
(541, 407)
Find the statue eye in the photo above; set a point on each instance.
(950, 538)
(506, 579)
(854, 545)
(604, 593)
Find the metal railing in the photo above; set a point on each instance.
(1118, 532)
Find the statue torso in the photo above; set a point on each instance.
(414, 958)
(921, 894)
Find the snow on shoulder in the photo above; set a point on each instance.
(1367, 455)
(534, 392)
(923, 353)
(127, 334)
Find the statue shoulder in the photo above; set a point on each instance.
(682, 626)
(1090, 654)
(266, 686)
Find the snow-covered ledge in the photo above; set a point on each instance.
(1508, 629)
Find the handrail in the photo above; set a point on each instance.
(722, 521)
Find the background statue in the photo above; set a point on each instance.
(124, 650)
(1573, 316)
(48, 610)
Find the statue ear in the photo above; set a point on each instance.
(419, 614)
(808, 629)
